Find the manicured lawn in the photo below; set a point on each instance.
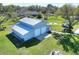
(70, 46)
(44, 47)
(6, 47)
(59, 21)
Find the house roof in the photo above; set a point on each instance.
(20, 30)
(30, 21)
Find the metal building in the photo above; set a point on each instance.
(28, 28)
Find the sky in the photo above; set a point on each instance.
(58, 3)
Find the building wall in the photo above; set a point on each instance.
(28, 36)
(19, 35)
(37, 30)
(41, 28)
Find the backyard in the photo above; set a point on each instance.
(69, 46)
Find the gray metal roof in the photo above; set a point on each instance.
(30, 21)
(20, 30)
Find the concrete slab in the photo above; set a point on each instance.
(47, 36)
(77, 31)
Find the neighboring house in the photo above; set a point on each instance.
(50, 14)
(32, 14)
(29, 28)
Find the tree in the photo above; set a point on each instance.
(39, 16)
(51, 8)
(68, 14)
(34, 8)
(1, 8)
(76, 12)
(2, 21)
(58, 12)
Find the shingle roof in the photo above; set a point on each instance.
(20, 30)
(30, 21)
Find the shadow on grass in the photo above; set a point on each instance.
(31, 42)
(19, 44)
(69, 43)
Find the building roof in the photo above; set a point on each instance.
(20, 30)
(30, 21)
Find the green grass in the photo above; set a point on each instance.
(42, 48)
(6, 47)
(59, 20)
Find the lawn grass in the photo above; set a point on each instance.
(42, 48)
(59, 20)
(6, 47)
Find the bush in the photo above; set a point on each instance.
(39, 16)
